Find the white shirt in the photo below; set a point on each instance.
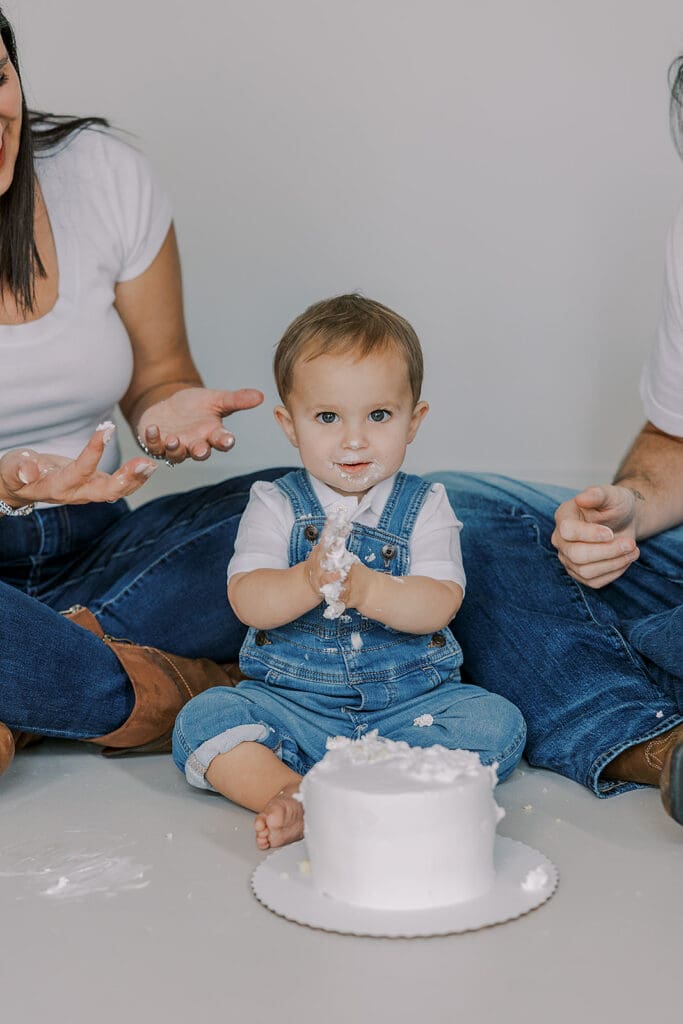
(661, 383)
(263, 536)
(61, 375)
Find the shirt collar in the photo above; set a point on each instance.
(375, 499)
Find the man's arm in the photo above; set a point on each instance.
(596, 532)
(653, 471)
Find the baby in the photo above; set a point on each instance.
(378, 654)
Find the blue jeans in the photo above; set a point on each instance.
(295, 722)
(155, 575)
(593, 671)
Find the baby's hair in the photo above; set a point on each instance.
(344, 324)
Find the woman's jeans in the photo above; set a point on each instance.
(155, 575)
(593, 671)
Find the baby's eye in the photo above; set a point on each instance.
(327, 417)
(379, 415)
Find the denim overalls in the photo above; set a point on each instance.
(317, 677)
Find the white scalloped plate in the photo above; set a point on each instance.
(281, 886)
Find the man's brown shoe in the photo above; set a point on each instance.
(6, 747)
(657, 762)
(671, 783)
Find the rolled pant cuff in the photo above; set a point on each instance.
(612, 787)
(199, 760)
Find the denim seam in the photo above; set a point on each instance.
(283, 668)
(162, 560)
(519, 741)
(195, 768)
(611, 632)
(609, 755)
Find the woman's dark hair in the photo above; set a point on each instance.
(676, 102)
(20, 261)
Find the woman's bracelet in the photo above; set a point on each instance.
(151, 455)
(21, 510)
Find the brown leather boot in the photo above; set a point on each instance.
(12, 740)
(6, 747)
(162, 683)
(657, 762)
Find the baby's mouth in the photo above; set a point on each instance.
(354, 467)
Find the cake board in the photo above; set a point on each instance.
(283, 884)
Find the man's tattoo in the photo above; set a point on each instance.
(634, 491)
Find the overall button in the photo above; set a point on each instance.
(438, 640)
(388, 552)
(261, 639)
(311, 532)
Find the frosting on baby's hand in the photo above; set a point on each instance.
(336, 558)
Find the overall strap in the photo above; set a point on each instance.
(297, 487)
(403, 504)
(309, 516)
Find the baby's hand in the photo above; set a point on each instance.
(316, 574)
(357, 586)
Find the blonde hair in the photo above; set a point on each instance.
(344, 324)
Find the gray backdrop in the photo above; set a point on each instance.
(499, 171)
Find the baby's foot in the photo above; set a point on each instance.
(281, 821)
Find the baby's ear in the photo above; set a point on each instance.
(419, 413)
(287, 424)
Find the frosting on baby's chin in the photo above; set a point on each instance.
(358, 481)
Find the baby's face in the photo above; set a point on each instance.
(351, 417)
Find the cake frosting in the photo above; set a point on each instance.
(394, 827)
(336, 558)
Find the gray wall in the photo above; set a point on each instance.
(499, 171)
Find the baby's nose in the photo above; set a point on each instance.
(355, 440)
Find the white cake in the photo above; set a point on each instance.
(394, 827)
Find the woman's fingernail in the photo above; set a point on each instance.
(145, 469)
(229, 442)
(107, 429)
(172, 445)
(22, 476)
(152, 433)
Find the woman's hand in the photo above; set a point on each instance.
(189, 423)
(27, 475)
(595, 534)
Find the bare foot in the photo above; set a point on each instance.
(281, 821)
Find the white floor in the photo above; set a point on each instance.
(125, 898)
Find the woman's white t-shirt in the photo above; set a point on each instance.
(63, 374)
(661, 383)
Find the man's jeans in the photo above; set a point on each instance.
(155, 575)
(593, 671)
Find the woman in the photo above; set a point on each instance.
(574, 605)
(91, 315)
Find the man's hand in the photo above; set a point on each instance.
(189, 423)
(595, 534)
